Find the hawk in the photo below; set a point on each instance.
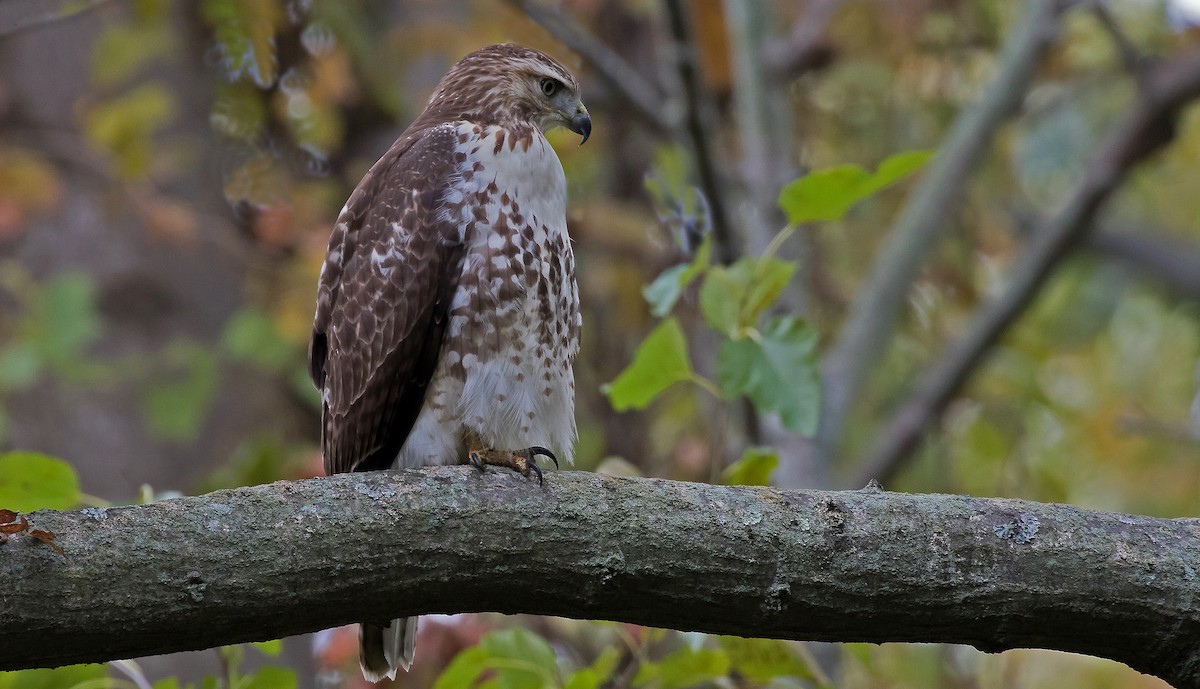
(448, 315)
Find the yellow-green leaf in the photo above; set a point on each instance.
(683, 668)
(777, 371)
(124, 125)
(763, 660)
(753, 469)
(660, 362)
(33, 481)
(827, 194)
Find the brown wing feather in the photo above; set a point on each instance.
(385, 288)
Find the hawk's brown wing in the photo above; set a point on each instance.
(385, 288)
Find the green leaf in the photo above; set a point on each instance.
(753, 469)
(899, 166)
(56, 678)
(684, 668)
(463, 670)
(861, 652)
(732, 299)
(762, 660)
(668, 286)
(245, 35)
(827, 194)
(668, 182)
(251, 337)
(595, 675)
(269, 648)
(239, 111)
(777, 371)
(535, 665)
(766, 281)
(660, 362)
(519, 658)
(167, 683)
(123, 126)
(121, 49)
(32, 481)
(271, 677)
(720, 298)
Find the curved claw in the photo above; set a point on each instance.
(476, 461)
(539, 450)
(532, 466)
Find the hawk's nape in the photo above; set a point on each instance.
(448, 314)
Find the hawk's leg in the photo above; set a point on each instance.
(521, 461)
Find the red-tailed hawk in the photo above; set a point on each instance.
(447, 311)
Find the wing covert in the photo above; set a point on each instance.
(387, 282)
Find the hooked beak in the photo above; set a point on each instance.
(581, 124)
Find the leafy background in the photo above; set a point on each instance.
(169, 172)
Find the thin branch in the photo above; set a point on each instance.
(763, 116)
(1151, 254)
(873, 314)
(700, 136)
(14, 20)
(1149, 126)
(806, 47)
(645, 98)
(1131, 58)
(269, 561)
(1172, 263)
(767, 161)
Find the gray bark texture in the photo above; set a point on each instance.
(269, 561)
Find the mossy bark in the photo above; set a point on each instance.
(269, 561)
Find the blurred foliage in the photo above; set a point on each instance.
(518, 659)
(236, 129)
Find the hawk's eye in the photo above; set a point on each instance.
(549, 86)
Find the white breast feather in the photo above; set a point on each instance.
(511, 398)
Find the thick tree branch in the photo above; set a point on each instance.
(1149, 125)
(921, 222)
(268, 561)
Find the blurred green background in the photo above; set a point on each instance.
(169, 173)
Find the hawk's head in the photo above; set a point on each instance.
(504, 83)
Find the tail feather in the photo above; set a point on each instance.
(384, 649)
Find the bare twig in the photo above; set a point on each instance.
(1149, 253)
(645, 98)
(1148, 126)
(700, 137)
(269, 561)
(875, 309)
(1172, 263)
(805, 48)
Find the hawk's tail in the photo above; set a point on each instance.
(383, 649)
